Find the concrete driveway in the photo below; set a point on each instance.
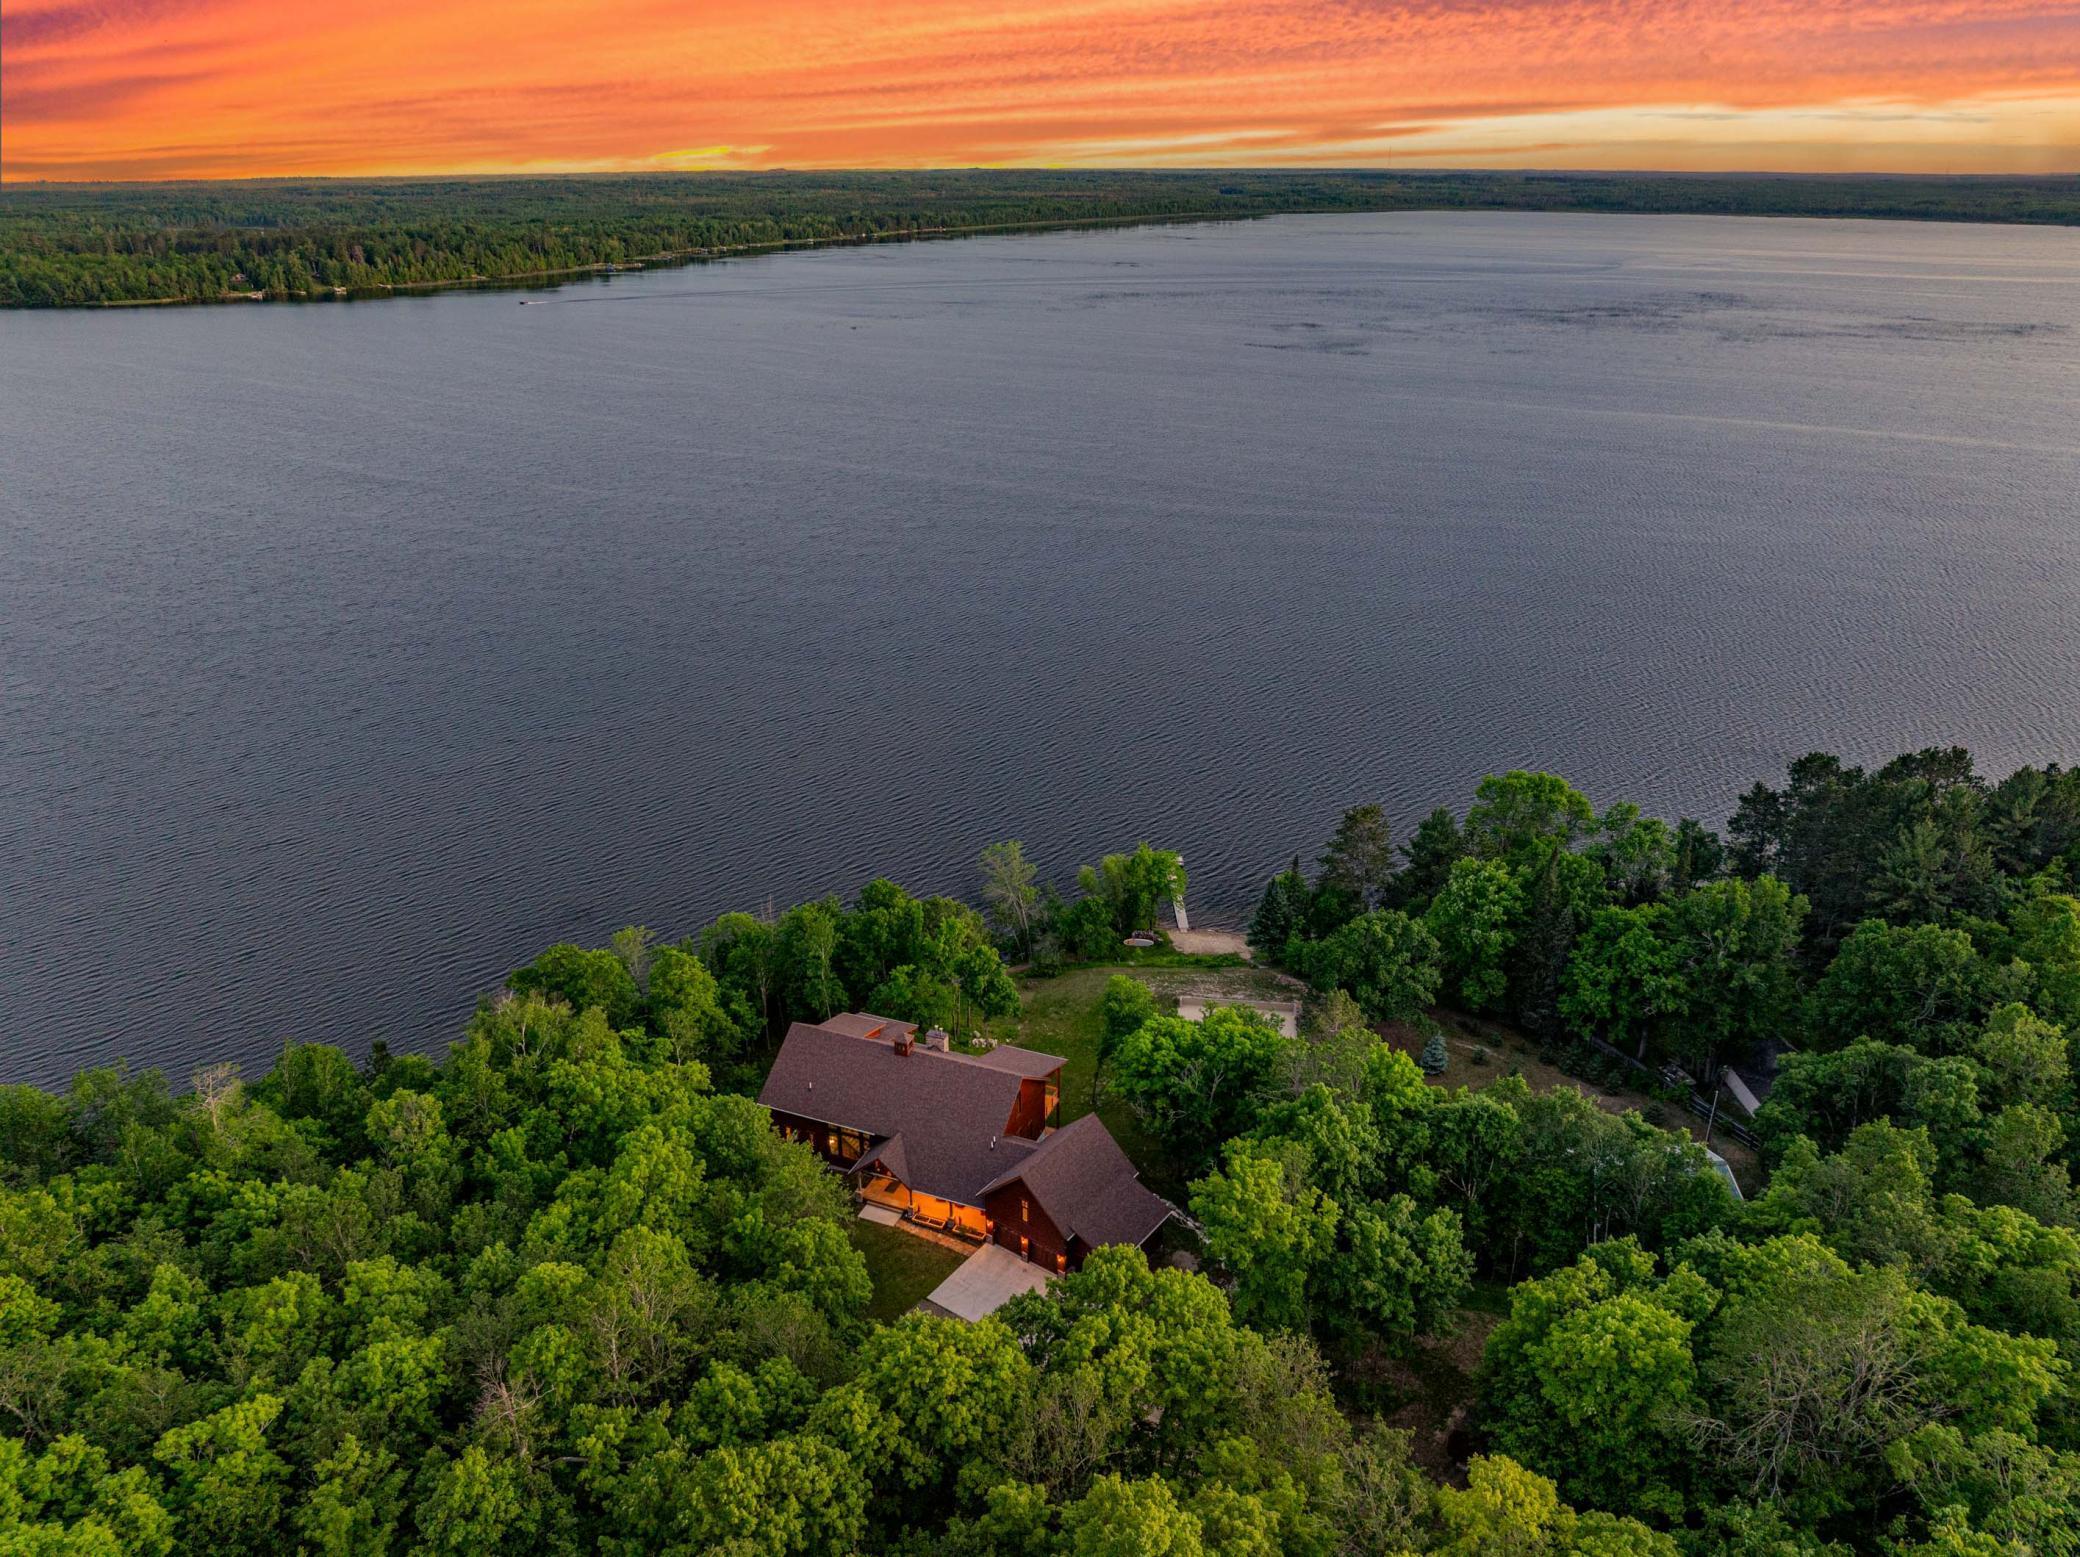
(988, 1279)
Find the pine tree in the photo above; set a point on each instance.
(1434, 1058)
(1281, 913)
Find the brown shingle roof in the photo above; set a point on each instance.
(864, 1024)
(1020, 1062)
(1088, 1186)
(948, 1118)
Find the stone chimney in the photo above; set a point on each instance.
(902, 1043)
(937, 1039)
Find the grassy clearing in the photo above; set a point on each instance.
(1061, 1016)
(905, 1268)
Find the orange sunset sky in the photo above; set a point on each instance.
(227, 88)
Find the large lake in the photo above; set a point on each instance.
(350, 654)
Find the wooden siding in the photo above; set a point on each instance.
(1029, 1113)
(953, 1215)
(819, 1135)
(1016, 1216)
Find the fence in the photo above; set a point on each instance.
(1696, 1101)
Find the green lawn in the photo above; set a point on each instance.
(905, 1267)
(1061, 1016)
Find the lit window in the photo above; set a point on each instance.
(1025, 1211)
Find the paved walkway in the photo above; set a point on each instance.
(988, 1279)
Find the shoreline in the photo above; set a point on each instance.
(306, 238)
(673, 259)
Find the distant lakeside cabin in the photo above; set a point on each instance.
(965, 1144)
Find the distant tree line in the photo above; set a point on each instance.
(71, 245)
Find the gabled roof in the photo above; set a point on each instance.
(945, 1117)
(1087, 1186)
(890, 1155)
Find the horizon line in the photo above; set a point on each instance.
(1257, 170)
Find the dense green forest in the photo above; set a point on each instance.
(563, 1290)
(68, 245)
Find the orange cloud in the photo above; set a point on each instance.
(182, 88)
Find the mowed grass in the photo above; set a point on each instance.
(1062, 1016)
(905, 1268)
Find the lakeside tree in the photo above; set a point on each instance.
(1475, 917)
(1282, 913)
(1356, 872)
(1436, 845)
(1010, 891)
(1519, 816)
(1133, 887)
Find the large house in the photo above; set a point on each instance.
(964, 1143)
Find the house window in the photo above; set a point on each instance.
(1025, 1211)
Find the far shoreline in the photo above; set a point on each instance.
(151, 245)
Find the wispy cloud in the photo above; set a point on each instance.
(106, 87)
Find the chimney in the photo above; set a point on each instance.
(903, 1044)
(937, 1039)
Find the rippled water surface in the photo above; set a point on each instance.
(350, 654)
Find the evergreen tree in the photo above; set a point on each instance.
(1281, 913)
(1430, 853)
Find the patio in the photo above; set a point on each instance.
(988, 1279)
